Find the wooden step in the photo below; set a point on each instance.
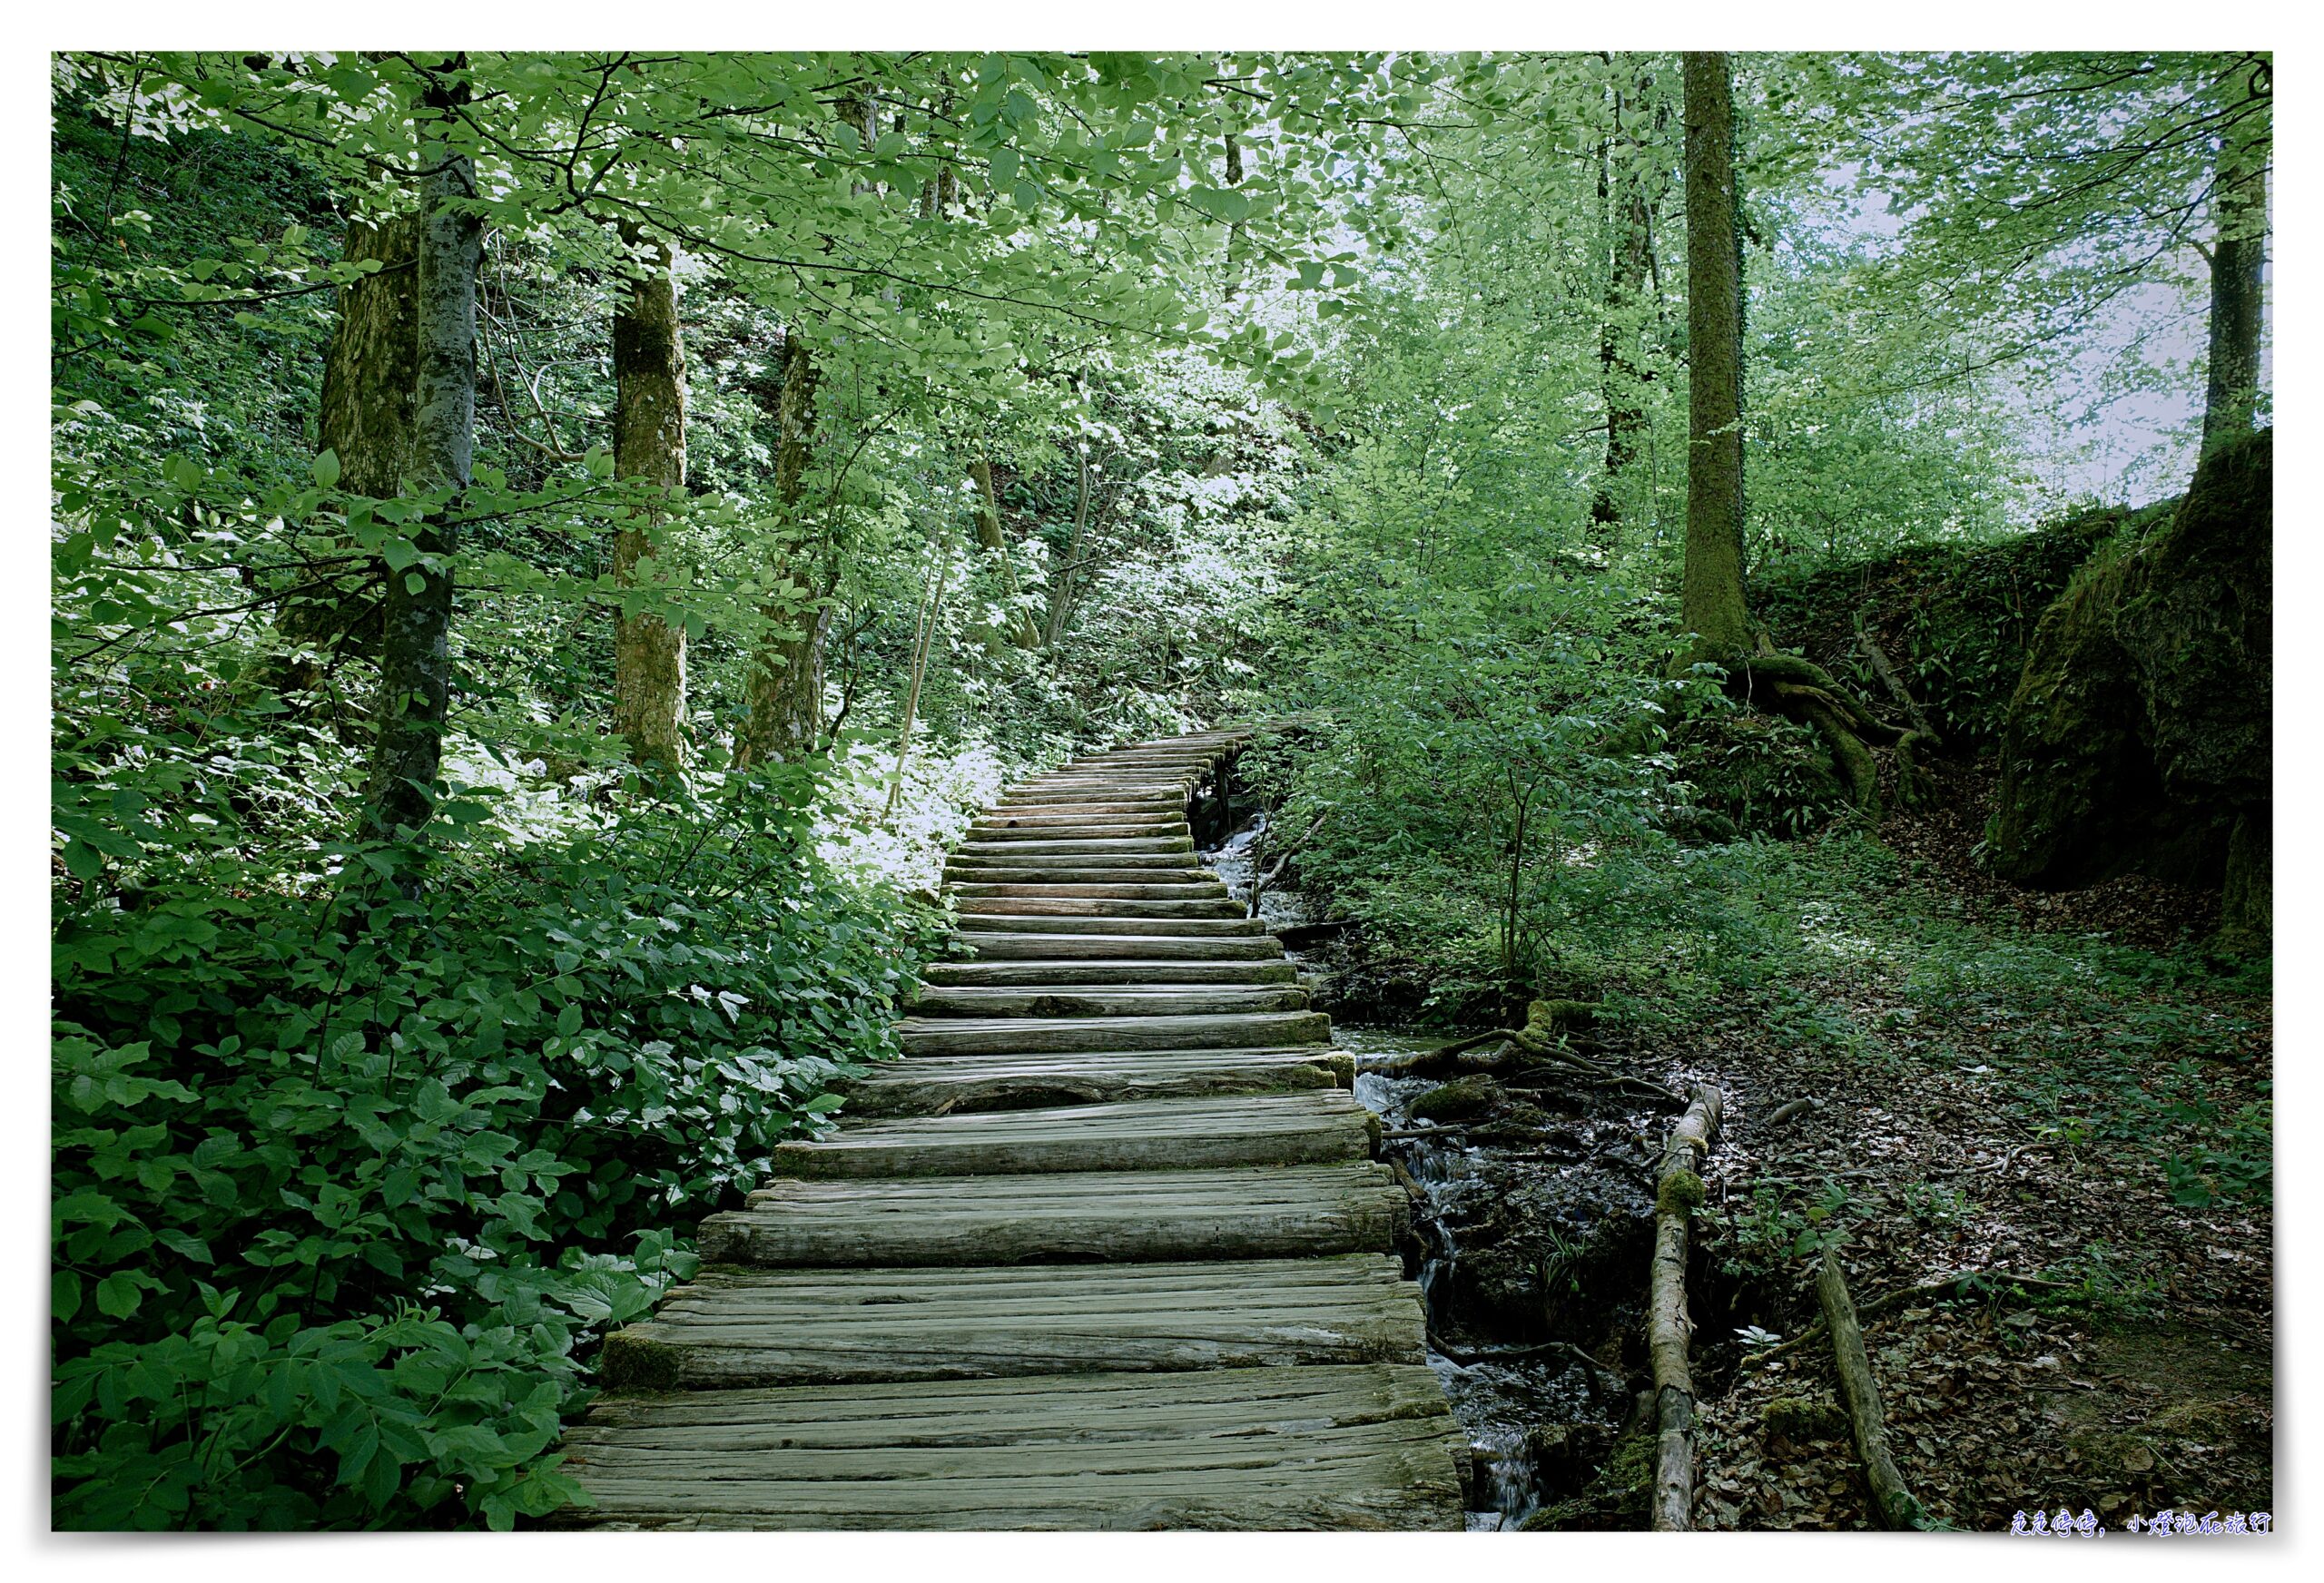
(1109, 827)
(1165, 807)
(781, 1327)
(974, 865)
(1357, 1447)
(957, 1085)
(1167, 820)
(1143, 1135)
(1188, 889)
(969, 1035)
(1123, 1000)
(1062, 974)
(1275, 1212)
(1014, 945)
(1124, 845)
(997, 923)
(1038, 906)
(1051, 871)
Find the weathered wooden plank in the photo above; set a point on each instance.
(1282, 1129)
(1015, 945)
(1102, 907)
(1286, 1448)
(1069, 974)
(1112, 828)
(1095, 846)
(1103, 924)
(753, 1327)
(926, 1084)
(1169, 821)
(1276, 1212)
(1169, 999)
(963, 1036)
(967, 864)
(977, 873)
(1133, 890)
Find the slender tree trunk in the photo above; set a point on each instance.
(1711, 600)
(415, 663)
(993, 541)
(1062, 580)
(2232, 392)
(1629, 217)
(785, 693)
(649, 443)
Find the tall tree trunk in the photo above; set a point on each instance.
(1019, 626)
(786, 689)
(1711, 598)
(2239, 202)
(415, 661)
(649, 443)
(1062, 579)
(370, 391)
(1629, 195)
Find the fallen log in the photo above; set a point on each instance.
(1785, 1112)
(1537, 1037)
(1892, 1501)
(1942, 1286)
(1677, 1192)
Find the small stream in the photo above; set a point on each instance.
(1512, 1229)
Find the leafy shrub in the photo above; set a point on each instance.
(1759, 772)
(348, 1172)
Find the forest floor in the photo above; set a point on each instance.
(2077, 1118)
(2070, 1090)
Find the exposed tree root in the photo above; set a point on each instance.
(1677, 1193)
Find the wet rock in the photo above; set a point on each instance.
(1567, 1456)
(1462, 1099)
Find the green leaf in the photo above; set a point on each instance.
(119, 1296)
(327, 469)
(414, 584)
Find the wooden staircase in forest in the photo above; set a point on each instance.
(1108, 1248)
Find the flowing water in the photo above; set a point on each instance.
(1503, 1394)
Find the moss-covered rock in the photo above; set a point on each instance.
(2139, 734)
(1462, 1099)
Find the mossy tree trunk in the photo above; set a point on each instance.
(785, 693)
(649, 445)
(1019, 628)
(1628, 191)
(2237, 256)
(415, 660)
(1711, 597)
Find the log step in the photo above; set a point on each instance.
(985, 834)
(1170, 823)
(1017, 860)
(1066, 973)
(1052, 999)
(967, 1035)
(980, 920)
(1268, 1212)
(1037, 905)
(1145, 1135)
(1052, 871)
(1127, 845)
(1132, 890)
(958, 1084)
(781, 1327)
(996, 944)
(1362, 1447)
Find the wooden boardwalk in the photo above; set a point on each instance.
(1106, 1249)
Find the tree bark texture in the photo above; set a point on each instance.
(370, 399)
(1711, 600)
(1629, 199)
(649, 445)
(415, 661)
(786, 691)
(1677, 1192)
(2239, 251)
(1063, 576)
(1020, 629)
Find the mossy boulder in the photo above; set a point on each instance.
(1462, 1099)
(2139, 736)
